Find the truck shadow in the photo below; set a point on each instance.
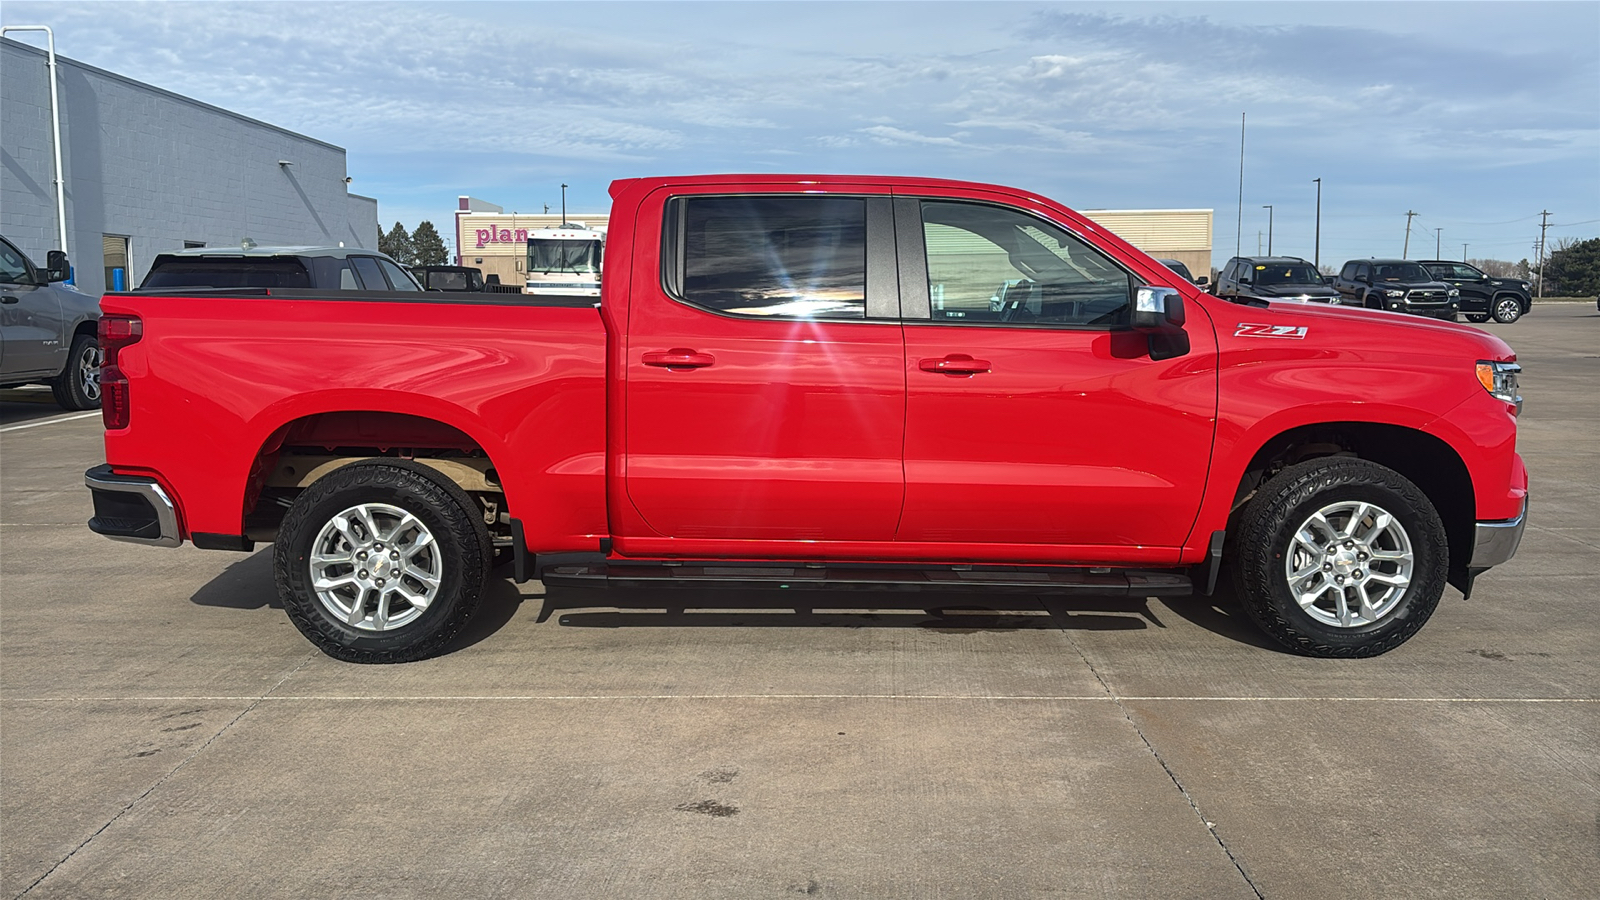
(248, 584)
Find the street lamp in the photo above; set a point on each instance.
(1316, 254)
(1436, 233)
(563, 206)
(1268, 208)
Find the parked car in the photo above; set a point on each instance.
(47, 329)
(1181, 269)
(814, 381)
(1397, 285)
(467, 279)
(1482, 296)
(318, 268)
(1281, 278)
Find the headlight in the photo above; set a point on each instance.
(1527, 285)
(1500, 379)
(1394, 293)
(1453, 293)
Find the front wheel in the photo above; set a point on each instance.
(1340, 557)
(382, 562)
(78, 385)
(1507, 310)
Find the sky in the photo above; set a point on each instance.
(1475, 116)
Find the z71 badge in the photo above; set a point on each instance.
(1273, 331)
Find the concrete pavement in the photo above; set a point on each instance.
(165, 732)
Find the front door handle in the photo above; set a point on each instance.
(959, 364)
(678, 358)
(8, 297)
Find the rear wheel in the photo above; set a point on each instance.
(1479, 318)
(1507, 310)
(1340, 557)
(382, 562)
(78, 385)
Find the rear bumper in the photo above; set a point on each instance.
(132, 508)
(1496, 542)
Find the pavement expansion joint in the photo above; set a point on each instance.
(171, 772)
(1210, 826)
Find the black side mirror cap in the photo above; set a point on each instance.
(56, 266)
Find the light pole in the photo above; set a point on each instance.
(1463, 252)
(563, 206)
(1316, 253)
(1436, 237)
(1268, 208)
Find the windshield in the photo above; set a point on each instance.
(1287, 274)
(237, 272)
(548, 255)
(1407, 272)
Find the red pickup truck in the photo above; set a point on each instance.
(810, 381)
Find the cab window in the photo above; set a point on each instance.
(794, 257)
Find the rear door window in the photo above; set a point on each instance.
(797, 257)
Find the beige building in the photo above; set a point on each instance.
(1180, 234)
(495, 241)
(491, 239)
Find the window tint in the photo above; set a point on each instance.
(776, 256)
(398, 279)
(371, 276)
(264, 272)
(1349, 272)
(1363, 271)
(993, 265)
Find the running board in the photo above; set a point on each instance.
(1008, 579)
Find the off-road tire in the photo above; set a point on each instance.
(1507, 310)
(78, 385)
(440, 505)
(1267, 527)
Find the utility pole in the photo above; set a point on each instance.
(1316, 253)
(1544, 222)
(1258, 242)
(1437, 234)
(1268, 208)
(1238, 232)
(564, 206)
(1463, 252)
(1406, 253)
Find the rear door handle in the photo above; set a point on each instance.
(8, 297)
(678, 358)
(955, 364)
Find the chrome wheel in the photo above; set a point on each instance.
(1349, 564)
(375, 567)
(89, 372)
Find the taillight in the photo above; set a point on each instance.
(116, 332)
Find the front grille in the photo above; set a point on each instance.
(1425, 297)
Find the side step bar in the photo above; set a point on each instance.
(1011, 579)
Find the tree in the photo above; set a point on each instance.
(1573, 270)
(427, 247)
(398, 245)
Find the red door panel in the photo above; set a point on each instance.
(1066, 437)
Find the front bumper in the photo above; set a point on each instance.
(132, 508)
(1496, 542)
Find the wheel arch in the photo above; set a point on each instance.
(317, 439)
(1426, 460)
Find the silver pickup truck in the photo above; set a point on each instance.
(47, 329)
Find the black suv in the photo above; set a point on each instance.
(1398, 285)
(1281, 278)
(1483, 297)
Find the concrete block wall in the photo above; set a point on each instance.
(160, 169)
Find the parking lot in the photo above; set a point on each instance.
(165, 731)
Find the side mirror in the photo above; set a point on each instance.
(56, 266)
(1158, 311)
(1157, 307)
(1202, 280)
